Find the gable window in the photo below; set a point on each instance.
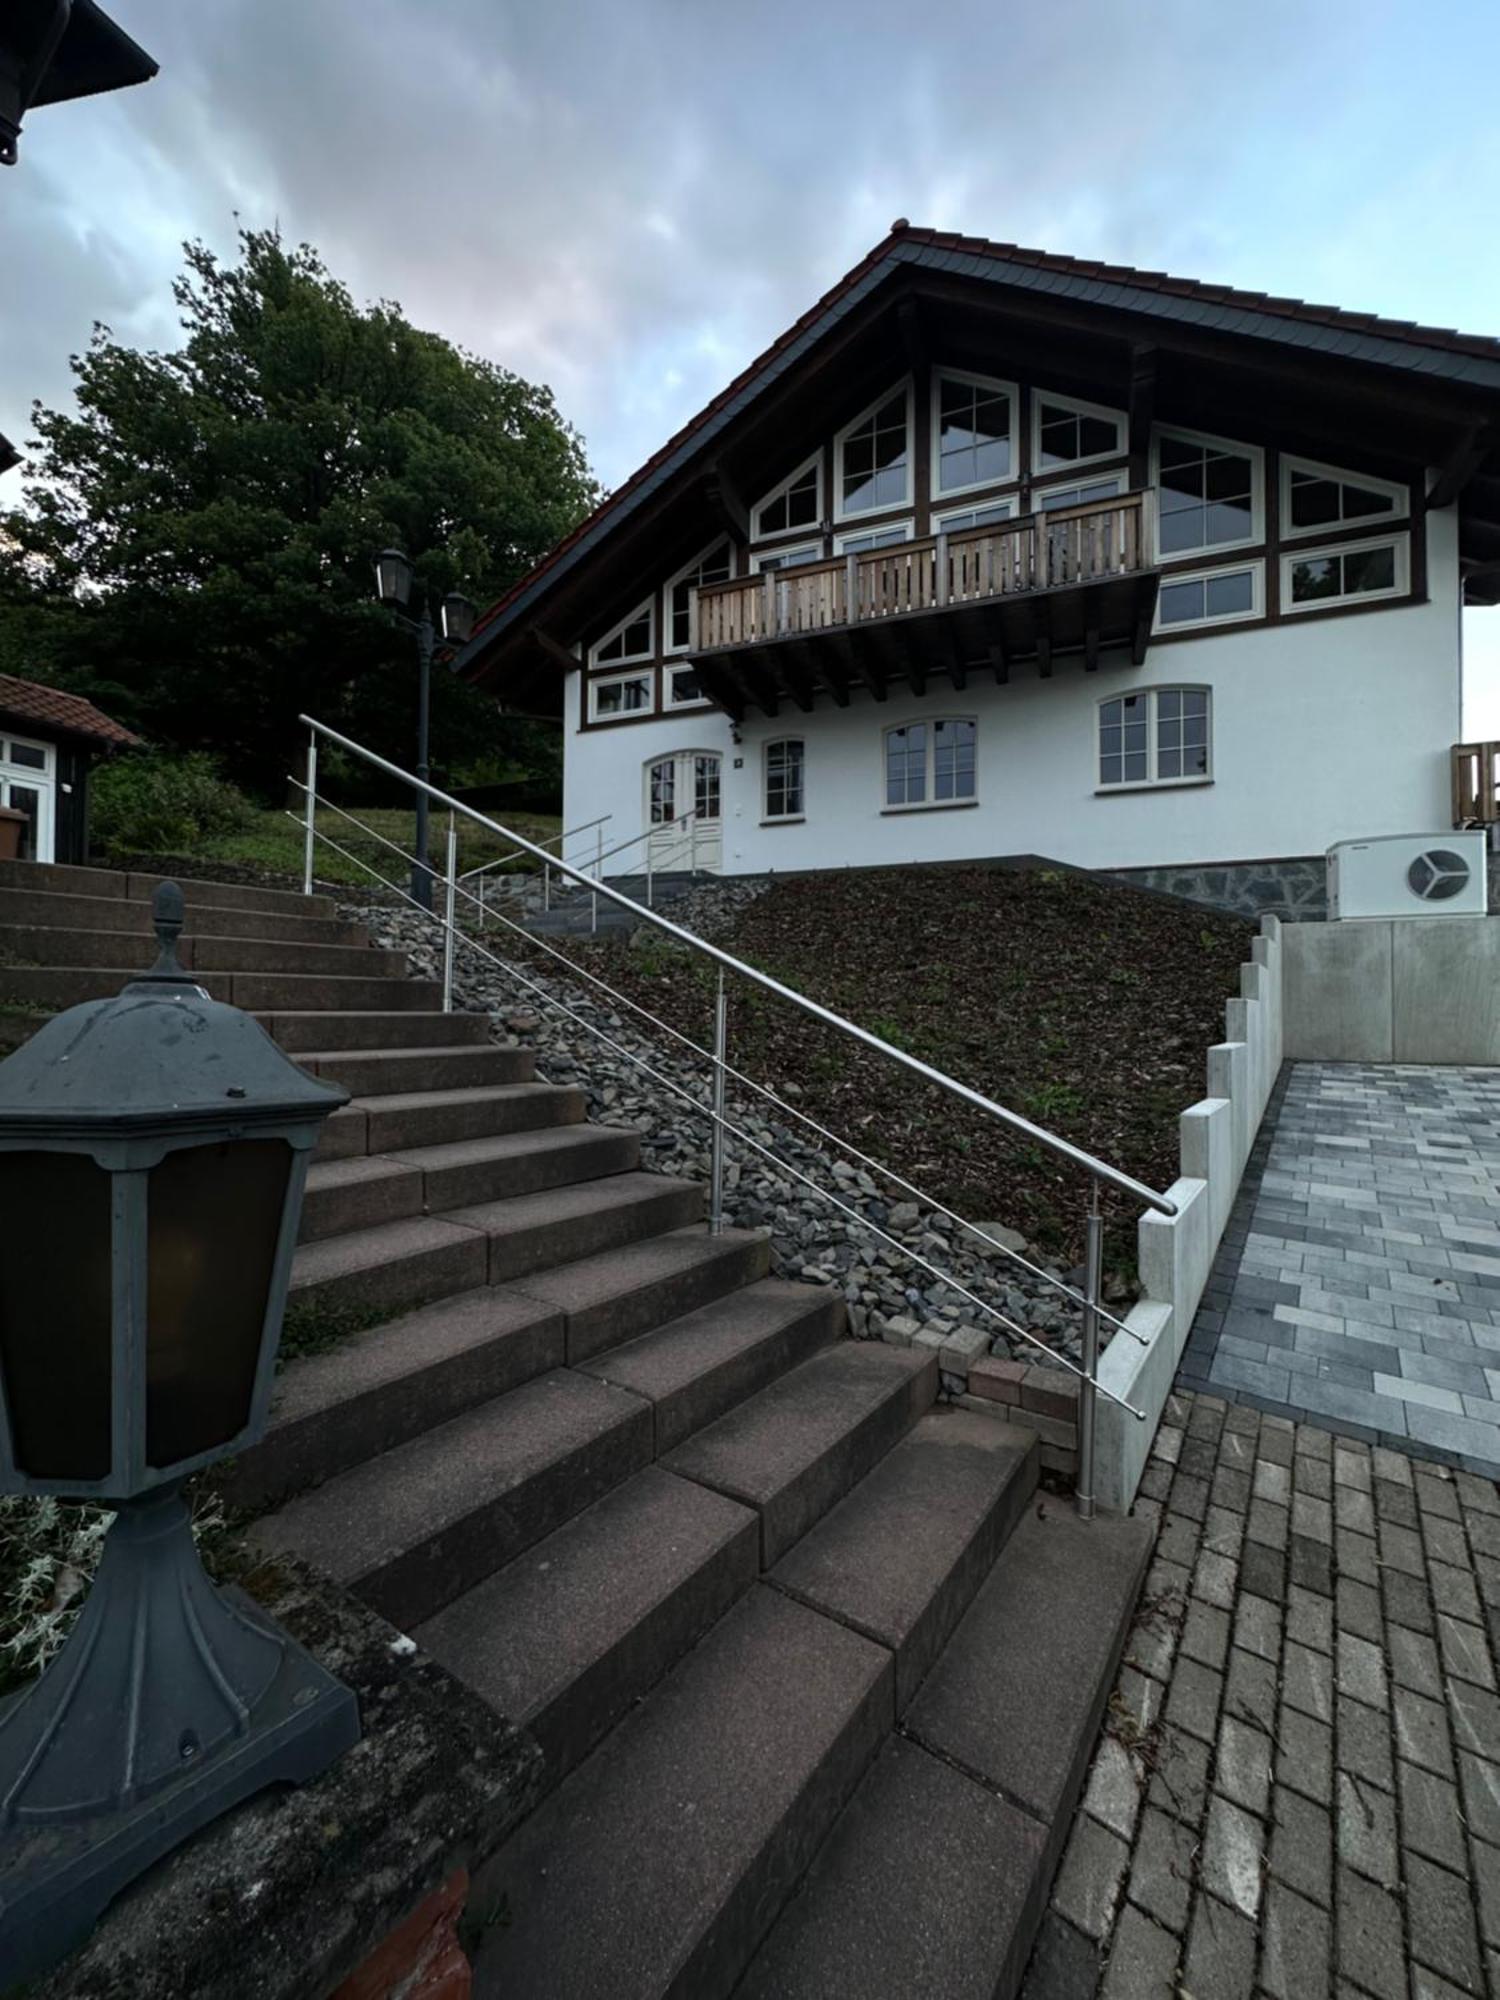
(973, 517)
(872, 457)
(1210, 597)
(1208, 493)
(684, 690)
(715, 565)
(1044, 499)
(793, 558)
(1069, 433)
(620, 694)
(634, 638)
(784, 785)
(1157, 737)
(873, 538)
(930, 763)
(1347, 575)
(796, 503)
(1315, 498)
(973, 432)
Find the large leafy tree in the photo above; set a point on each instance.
(195, 542)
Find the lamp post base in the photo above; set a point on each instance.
(171, 1702)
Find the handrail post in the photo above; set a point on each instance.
(310, 838)
(1093, 1267)
(693, 844)
(650, 873)
(450, 900)
(716, 1143)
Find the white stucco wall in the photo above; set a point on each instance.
(1333, 729)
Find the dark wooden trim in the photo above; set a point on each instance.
(559, 655)
(1140, 406)
(723, 499)
(800, 680)
(999, 663)
(1461, 464)
(1044, 639)
(1271, 592)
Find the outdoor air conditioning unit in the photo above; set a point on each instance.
(1408, 875)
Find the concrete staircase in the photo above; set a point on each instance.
(815, 1667)
(571, 913)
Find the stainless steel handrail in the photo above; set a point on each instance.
(554, 839)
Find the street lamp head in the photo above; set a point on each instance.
(393, 578)
(458, 615)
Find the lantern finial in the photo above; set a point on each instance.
(167, 911)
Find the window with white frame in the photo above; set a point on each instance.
(684, 690)
(873, 538)
(796, 503)
(785, 761)
(714, 565)
(634, 638)
(1315, 498)
(1045, 499)
(960, 518)
(620, 694)
(1351, 574)
(792, 558)
(1208, 493)
(1210, 597)
(973, 431)
(1071, 433)
(930, 763)
(1159, 736)
(872, 456)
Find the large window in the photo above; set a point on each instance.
(957, 519)
(872, 457)
(632, 639)
(715, 565)
(1045, 499)
(1315, 498)
(973, 432)
(1209, 493)
(1210, 597)
(872, 538)
(621, 694)
(1349, 574)
(796, 503)
(930, 763)
(1070, 433)
(1157, 737)
(792, 558)
(784, 778)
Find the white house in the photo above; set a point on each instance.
(995, 552)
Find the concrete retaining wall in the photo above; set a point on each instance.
(1176, 1253)
(1409, 989)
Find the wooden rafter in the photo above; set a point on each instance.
(1461, 464)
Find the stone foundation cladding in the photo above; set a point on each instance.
(1294, 889)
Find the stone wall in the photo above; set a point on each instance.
(1293, 888)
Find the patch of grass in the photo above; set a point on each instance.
(312, 1327)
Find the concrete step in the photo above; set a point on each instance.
(377, 1389)
(901, 1558)
(612, 1297)
(534, 1232)
(33, 944)
(113, 913)
(657, 1867)
(795, 1449)
(121, 885)
(929, 1884)
(399, 1072)
(416, 1527)
(573, 1633)
(389, 1269)
(1018, 1696)
(360, 1192)
(696, 1367)
(370, 1029)
(256, 992)
(443, 1117)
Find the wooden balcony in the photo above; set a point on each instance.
(1075, 581)
(1476, 784)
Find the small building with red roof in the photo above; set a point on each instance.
(49, 741)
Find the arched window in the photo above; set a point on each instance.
(932, 762)
(1157, 736)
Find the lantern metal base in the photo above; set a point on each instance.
(171, 1702)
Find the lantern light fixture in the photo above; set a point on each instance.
(393, 579)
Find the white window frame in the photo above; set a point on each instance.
(646, 674)
(1152, 783)
(901, 531)
(1257, 458)
(22, 773)
(670, 703)
(1075, 407)
(1399, 497)
(943, 494)
(929, 803)
(768, 818)
(1257, 570)
(904, 389)
(1041, 489)
(811, 549)
(1313, 552)
(646, 609)
(813, 463)
(669, 649)
(942, 523)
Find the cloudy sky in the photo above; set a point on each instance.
(629, 198)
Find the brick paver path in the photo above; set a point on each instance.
(1358, 1283)
(1297, 1791)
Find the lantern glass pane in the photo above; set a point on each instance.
(214, 1219)
(55, 1313)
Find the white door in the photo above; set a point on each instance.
(28, 784)
(683, 811)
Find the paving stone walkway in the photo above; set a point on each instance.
(1358, 1283)
(1297, 1791)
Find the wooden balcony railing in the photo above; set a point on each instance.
(1069, 545)
(1476, 784)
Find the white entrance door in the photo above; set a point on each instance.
(28, 784)
(683, 811)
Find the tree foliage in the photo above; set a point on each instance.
(195, 545)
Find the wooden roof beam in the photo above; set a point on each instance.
(554, 650)
(1142, 412)
(1044, 639)
(719, 682)
(800, 675)
(840, 667)
(1461, 465)
(724, 500)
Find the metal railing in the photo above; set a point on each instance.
(1100, 1172)
(557, 840)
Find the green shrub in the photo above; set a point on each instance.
(163, 802)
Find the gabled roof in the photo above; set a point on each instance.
(1438, 353)
(50, 709)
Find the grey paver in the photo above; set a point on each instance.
(1441, 1916)
(1221, 1952)
(1297, 1940)
(1092, 1872)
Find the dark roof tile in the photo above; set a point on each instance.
(53, 708)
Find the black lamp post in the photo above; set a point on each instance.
(52, 50)
(393, 585)
(153, 1154)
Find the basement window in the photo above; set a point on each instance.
(714, 565)
(1354, 573)
(1157, 737)
(620, 694)
(1210, 597)
(634, 638)
(1315, 498)
(784, 778)
(930, 763)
